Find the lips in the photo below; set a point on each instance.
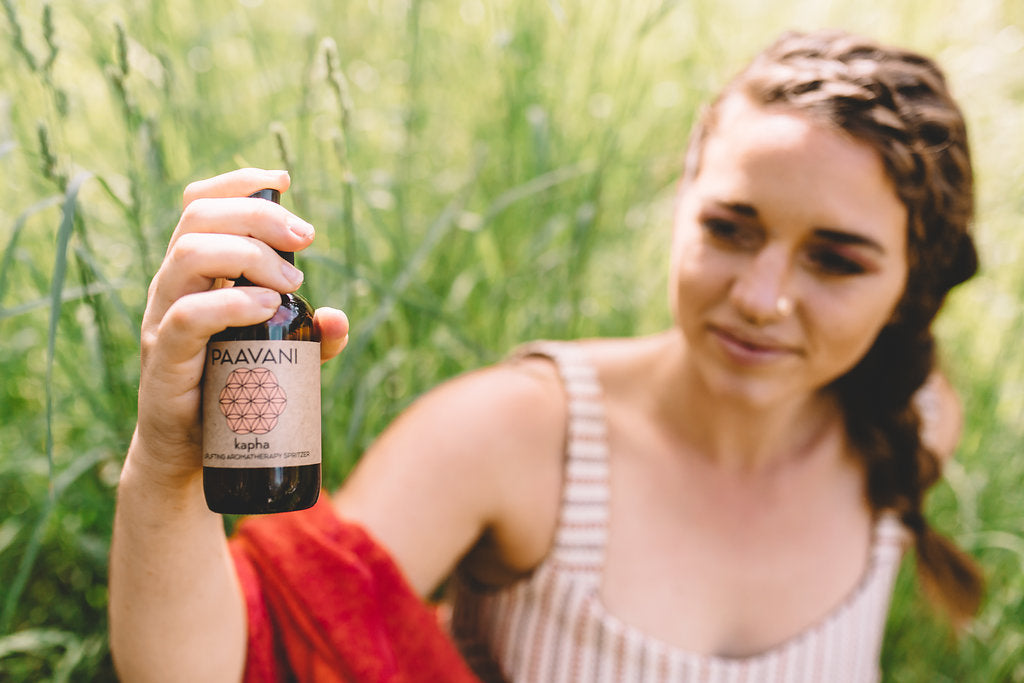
(749, 349)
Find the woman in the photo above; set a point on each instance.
(728, 498)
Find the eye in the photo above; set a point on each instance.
(731, 233)
(832, 262)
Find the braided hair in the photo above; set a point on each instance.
(898, 102)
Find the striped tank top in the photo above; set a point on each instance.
(551, 626)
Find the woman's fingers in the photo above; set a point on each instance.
(238, 183)
(223, 234)
(193, 319)
(173, 353)
(332, 325)
(200, 215)
(181, 334)
(196, 261)
(258, 218)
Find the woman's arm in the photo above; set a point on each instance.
(176, 611)
(175, 608)
(479, 455)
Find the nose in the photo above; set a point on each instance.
(760, 291)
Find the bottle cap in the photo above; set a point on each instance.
(268, 193)
(272, 195)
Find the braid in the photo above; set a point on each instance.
(898, 102)
(885, 426)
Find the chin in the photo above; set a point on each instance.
(751, 391)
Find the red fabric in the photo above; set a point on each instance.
(327, 604)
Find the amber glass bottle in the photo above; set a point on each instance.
(261, 410)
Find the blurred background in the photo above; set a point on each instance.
(481, 173)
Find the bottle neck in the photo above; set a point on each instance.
(270, 195)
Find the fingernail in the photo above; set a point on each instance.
(291, 273)
(301, 228)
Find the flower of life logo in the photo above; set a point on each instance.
(252, 400)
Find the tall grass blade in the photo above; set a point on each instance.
(49, 35)
(33, 640)
(75, 653)
(90, 290)
(60, 266)
(70, 294)
(435, 233)
(657, 16)
(536, 186)
(12, 244)
(77, 468)
(557, 11)
(8, 531)
(132, 214)
(18, 35)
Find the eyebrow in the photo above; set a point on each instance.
(851, 238)
(835, 235)
(738, 207)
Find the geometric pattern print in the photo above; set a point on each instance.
(252, 400)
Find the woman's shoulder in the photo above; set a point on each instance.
(522, 390)
(478, 455)
(941, 415)
(486, 418)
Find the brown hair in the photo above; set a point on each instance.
(898, 102)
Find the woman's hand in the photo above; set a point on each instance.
(222, 235)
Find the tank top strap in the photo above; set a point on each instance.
(891, 538)
(582, 533)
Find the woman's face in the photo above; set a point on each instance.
(789, 254)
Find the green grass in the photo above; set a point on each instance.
(476, 171)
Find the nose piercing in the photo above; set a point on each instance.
(783, 306)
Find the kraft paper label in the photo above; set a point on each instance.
(261, 404)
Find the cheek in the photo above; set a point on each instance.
(697, 279)
(686, 250)
(846, 330)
